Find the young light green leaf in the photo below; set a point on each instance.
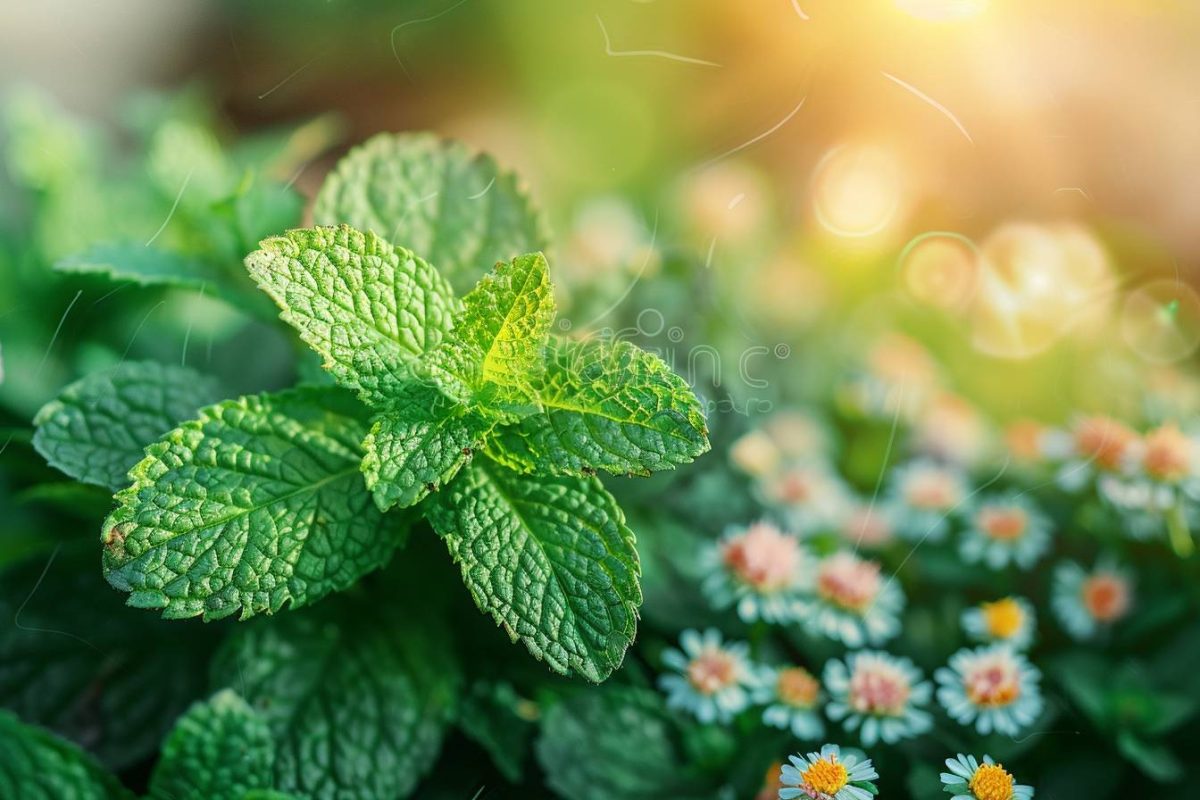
(219, 750)
(615, 743)
(140, 264)
(606, 406)
(36, 765)
(98, 427)
(357, 695)
(120, 705)
(256, 504)
(456, 208)
(550, 558)
(370, 309)
(186, 162)
(419, 444)
(506, 322)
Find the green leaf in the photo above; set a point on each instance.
(606, 406)
(186, 162)
(1154, 759)
(219, 750)
(492, 715)
(140, 264)
(357, 695)
(418, 445)
(456, 208)
(98, 428)
(76, 660)
(256, 504)
(35, 765)
(551, 560)
(498, 339)
(613, 743)
(370, 309)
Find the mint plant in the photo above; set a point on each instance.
(466, 411)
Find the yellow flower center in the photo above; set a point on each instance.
(847, 582)
(1004, 524)
(1106, 597)
(712, 671)
(1168, 454)
(1103, 440)
(1003, 618)
(992, 685)
(797, 687)
(826, 776)
(991, 782)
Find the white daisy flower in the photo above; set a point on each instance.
(1087, 603)
(760, 569)
(810, 496)
(969, 779)
(712, 680)
(867, 527)
(828, 775)
(793, 696)
(1094, 446)
(880, 696)
(951, 429)
(994, 687)
(1009, 620)
(924, 493)
(1005, 530)
(852, 603)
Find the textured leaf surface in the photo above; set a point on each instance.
(612, 743)
(256, 504)
(456, 208)
(98, 427)
(138, 263)
(36, 765)
(76, 660)
(370, 309)
(357, 696)
(418, 445)
(499, 338)
(219, 750)
(550, 558)
(606, 406)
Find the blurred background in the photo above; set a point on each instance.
(1008, 185)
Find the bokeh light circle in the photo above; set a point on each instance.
(940, 269)
(1160, 321)
(1038, 283)
(857, 190)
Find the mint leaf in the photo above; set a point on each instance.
(98, 427)
(418, 445)
(499, 337)
(140, 264)
(550, 558)
(370, 309)
(219, 750)
(256, 504)
(356, 694)
(89, 668)
(456, 208)
(606, 406)
(613, 743)
(36, 765)
(186, 162)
